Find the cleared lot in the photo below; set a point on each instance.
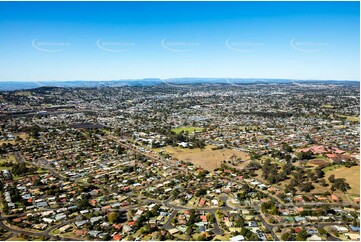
(208, 159)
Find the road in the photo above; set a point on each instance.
(19, 158)
(168, 225)
(268, 227)
(44, 233)
(217, 230)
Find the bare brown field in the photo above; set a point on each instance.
(208, 159)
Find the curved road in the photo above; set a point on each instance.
(39, 234)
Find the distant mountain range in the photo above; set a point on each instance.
(11, 86)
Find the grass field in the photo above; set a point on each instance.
(21, 238)
(352, 176)
(327, 106)
(7, 158)
(208, 159)
(5, 168)
(190, 129)
(221, 238)
(350, 118)
(23, 136)
(331, 168)
(319, 162)
(15, 238)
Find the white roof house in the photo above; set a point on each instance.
(237, 238)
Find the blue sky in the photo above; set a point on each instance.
(130, 40)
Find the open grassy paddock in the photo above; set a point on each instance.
(327, 106)
(350, 118)
(23, 136)
(207, 158)
(6, 158)
(352, 176)
(189, 129)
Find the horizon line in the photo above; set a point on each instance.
(171, 78)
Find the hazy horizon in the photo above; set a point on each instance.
(184, 78)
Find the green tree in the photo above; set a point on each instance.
(286, 236)
(146, 229)
(113, 217)
(302, 235)
(331, 178)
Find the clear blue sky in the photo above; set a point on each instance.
(122, 40)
